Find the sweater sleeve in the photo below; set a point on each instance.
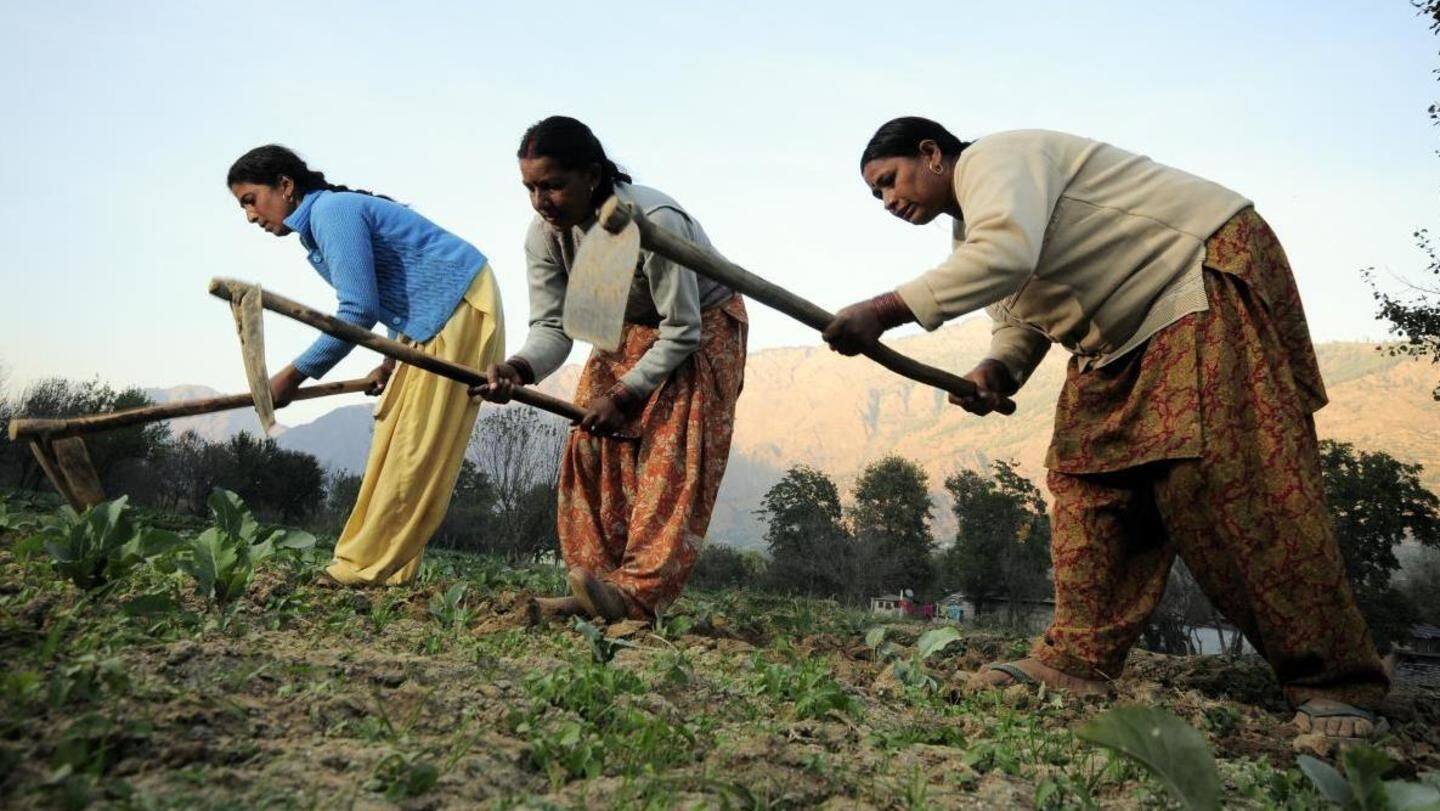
(342, 235)
(1018, 348)
(1007, 196)
(546, 346)
(676, 292)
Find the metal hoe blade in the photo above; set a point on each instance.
(249, 323)
(599, 286)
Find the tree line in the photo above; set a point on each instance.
(878, 541)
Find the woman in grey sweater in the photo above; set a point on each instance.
(638, 480)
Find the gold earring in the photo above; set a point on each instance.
(937, 169)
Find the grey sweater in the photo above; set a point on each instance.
(663, 294)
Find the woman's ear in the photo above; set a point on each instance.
(930, 154)
(286, 187)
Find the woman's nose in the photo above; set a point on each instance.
(250, 215)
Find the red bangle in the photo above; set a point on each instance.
(891, 310)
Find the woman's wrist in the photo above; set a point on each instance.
(891, 310)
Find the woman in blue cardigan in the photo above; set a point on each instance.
(432, 290)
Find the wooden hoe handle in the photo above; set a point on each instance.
(614, 215)
(229, 289)
(96, 423)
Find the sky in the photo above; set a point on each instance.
(120, 120)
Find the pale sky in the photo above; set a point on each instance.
(120, 120)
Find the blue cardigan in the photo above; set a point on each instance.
(386, 263)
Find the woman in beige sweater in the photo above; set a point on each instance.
(1185, 423)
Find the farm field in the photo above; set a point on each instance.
(203, 668)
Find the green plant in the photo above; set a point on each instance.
(910, 670)
(1363, 786)
(400, 776)
(808, 684)
(448, 607)
(96, 547)
(602, 648)
(222, 558)
(1170, 749)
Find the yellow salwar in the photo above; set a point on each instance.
(422, 427)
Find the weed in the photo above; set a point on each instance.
(222, 559)
(1363, 786)
(807, 684)
(100, 545)
(400, 776)
(448, 607)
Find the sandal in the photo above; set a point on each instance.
(1379, 726)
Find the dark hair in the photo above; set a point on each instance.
(267, 164)
(573, 146)
(901, 137)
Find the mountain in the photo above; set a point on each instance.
(809, 405)
(340, 439)
(213, 427)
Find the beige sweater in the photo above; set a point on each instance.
(1071, 241)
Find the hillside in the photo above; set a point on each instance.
(807, 405)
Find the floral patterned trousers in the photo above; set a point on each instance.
(635, 512)
(1202, 444)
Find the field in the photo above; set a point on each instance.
(172, 684)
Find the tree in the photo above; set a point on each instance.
(274, 481)
(1416, 319)
(1002, 543)
(725, 567)
(59, 397)
(470, 515)
(892, 514)
(518, 450)
(1376, 502)
(804, 532)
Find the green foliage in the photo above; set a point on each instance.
(910, 670)
(807, 684)
(600, 728)
(101, 545)
(602, 648)
(1002, 544)
(448, 607)
(1170, 749)
(803, 527)
(400, 776)
(892, 512)
(1377, 501)
(222, 559)
(1363, 787)
(724, 567)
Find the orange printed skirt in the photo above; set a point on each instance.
(635, 512)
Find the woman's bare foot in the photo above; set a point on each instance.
(544, 609)
(990, 677)
(1336, 719)
(598, 598)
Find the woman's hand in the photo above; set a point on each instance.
(603, 417)
(380, 377)
(992, 381)
(501, 380)
(854, 329)
(284, 384)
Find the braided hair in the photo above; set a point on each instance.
(267, 164)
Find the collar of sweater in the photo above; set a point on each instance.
(299, 219)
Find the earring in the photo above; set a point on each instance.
(937, 169)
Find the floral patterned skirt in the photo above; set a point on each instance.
(635, 512)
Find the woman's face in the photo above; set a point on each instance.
(909, 187)
(560, 196)
(267, 206)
